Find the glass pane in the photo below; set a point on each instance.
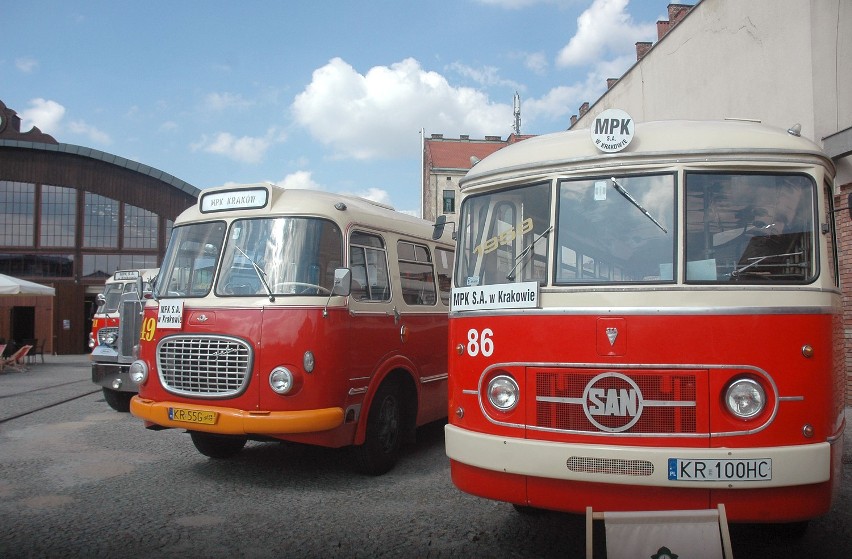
(191, 259)
(17, 218)
(749, 228)
(444, 268)
(616, 231)
(295, 256)
(369, 269)
(100, 222)
(416, 276)
(58, 216)
(504, 237)
(140, 228)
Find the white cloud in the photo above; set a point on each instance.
(93, 134)
(379, 114)
(48, 116)
(246, 149)
(485, 76)
(604, 29)
(300, 180)
(536, 62)
(222, 101)
(45, 114)
(26, 64)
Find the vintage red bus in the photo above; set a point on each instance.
(647, 317)
(300, 316)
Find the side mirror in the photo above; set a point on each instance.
(342, 286)
(342, 282)
(438, 227)
(101, 300)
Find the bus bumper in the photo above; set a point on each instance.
(624, 465)
(113, 376)
(229, 421)
(545, 475)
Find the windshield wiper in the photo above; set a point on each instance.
(511, 274)
(758, 260)
(633, 201)
(261, 275)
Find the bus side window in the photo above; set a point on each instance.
(417, 278)
(444, 268)
(368, 262)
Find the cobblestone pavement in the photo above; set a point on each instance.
(80, 480)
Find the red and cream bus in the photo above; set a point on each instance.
(647, 317)
(297, 315)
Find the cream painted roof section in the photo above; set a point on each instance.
(674, 139)
(303, 202)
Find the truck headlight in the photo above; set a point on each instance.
(745, 398)
(503, 392)
(138, 372)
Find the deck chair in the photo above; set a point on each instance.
(688, 533)
(15, 362)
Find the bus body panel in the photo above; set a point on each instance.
(652, 329)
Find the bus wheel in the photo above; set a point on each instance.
(217, 446)
(380, 450)
(119, 401)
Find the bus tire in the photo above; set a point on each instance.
(380, 450)
(119, 401)
(217, 446)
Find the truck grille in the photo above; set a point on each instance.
(668, 402)
(204, 366)
(106, 331)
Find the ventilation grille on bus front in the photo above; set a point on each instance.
(204, 366)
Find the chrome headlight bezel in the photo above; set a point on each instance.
(503, 393)
(138, 371)
(281, 380)
(745, 398)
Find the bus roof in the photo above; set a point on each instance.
(575, 149)
(342, 208)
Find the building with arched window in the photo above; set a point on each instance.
(70, 217)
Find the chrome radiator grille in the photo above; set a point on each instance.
(106, 331)
(669, 403)
(204, 366)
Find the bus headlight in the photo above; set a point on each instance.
(745, 398)
(138, 372)
(111, 339)
(503, 392)
(281, 380)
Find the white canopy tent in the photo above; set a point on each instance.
(15, 286)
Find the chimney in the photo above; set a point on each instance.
(492, 139)
(663, 28)
(437, 136)
(611, 82)
(677, 12)
(584, 108)
(642, 49)
(573, 120)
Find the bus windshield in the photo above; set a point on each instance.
(616, 230)
(504, 237)
(749, 228)
(112, 296)
(190, 260)
(280, 256)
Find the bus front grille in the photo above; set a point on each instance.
(204, 366)
(630, 402)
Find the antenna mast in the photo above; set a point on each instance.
(517, 110)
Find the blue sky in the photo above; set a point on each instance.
(330, 95)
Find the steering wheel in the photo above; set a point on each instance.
(299, 288)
